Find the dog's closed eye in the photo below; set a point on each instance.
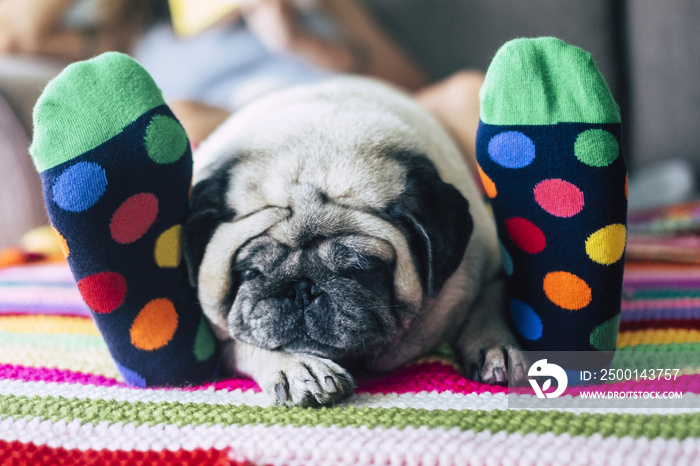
(374, 274)
(249, 274)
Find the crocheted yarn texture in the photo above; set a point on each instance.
(62, 400)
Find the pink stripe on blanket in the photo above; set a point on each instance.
(37, 374)
(53, 273)
(662, 273)
(425, 377)
(428, 377)
(673, 303)
(431, 376)
(658, 282)
(55, 311)
(41, 297)
(40, 374)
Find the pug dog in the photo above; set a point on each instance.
(336, 225)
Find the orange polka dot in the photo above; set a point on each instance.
(566, 290)
(62, 243)
(155, 325)
(489, 185)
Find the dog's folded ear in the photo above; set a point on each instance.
(437, 219)
(208, 210)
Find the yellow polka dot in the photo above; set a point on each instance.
(658, 337)
(155, 325)
(489, 185)
(167, 250)
(566, 290)
(607, 245)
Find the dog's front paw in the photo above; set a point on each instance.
(304, 380)
(496, 365)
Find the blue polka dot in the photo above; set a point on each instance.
(80, 187)
(526, 321)
(512, 149)
(131, 377)
(506, 260)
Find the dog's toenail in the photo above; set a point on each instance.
(281, 392)
(499, 375)
(518, 372)
(312, 386)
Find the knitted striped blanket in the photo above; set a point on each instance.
(62, 401)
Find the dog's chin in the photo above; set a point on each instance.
(307, 345)
(314, 348)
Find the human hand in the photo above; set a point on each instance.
(275, 22)
(280, 26)
(356, 45)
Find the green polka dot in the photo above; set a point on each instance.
(203, 342)
(604, 336)
(166, 141)
(596, 147)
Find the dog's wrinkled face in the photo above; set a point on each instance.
(332, 298)
(321, 242)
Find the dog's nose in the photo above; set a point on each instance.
(303, 292)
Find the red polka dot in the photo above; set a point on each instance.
(559, 198)
(133, 218)
(103, 292)
(526, 235)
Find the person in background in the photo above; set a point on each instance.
(263, 46)
(266, 45)
(71, 29)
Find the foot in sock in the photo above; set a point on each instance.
(550, 159)
(116, 168)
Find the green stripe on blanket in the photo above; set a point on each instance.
(680, 426)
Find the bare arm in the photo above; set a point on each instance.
(384, 58)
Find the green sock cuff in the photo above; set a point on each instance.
(126, 89)
(519, 89)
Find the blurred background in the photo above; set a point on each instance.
(648, 51)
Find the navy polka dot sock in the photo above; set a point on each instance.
(116, 168)
(549, 155)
